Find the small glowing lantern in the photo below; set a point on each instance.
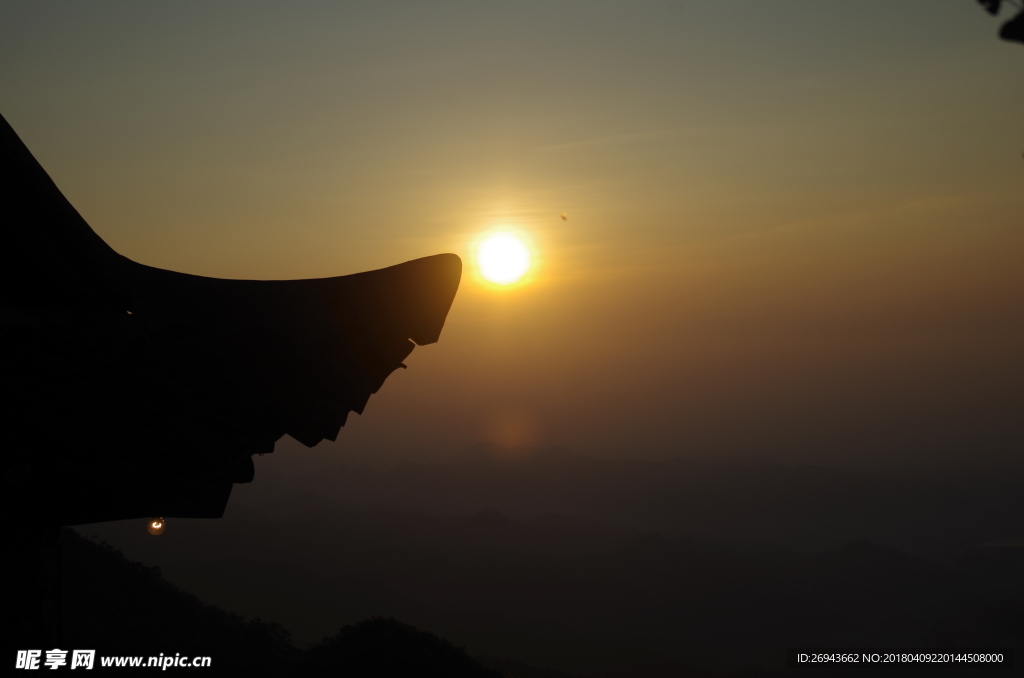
(156, 526)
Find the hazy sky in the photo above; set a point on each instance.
(795, 227)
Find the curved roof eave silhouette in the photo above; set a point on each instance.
(133, 391)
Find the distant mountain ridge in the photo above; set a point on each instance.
(593, 599)
(932, 512)
(612, 568)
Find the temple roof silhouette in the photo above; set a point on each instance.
(132, 391)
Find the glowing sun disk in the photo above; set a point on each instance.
(503, 258)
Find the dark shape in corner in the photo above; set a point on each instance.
(135, 392)
(991, 6)
(1012, 30)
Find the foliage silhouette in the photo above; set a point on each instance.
(1012, 30)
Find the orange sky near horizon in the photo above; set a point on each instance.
(794, 233)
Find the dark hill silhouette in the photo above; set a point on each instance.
(382, 648)
(589, 599)
(119, 607)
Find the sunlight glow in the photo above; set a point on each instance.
(503, 258)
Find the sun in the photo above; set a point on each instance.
(503, 258)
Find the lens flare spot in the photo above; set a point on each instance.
(156, 526)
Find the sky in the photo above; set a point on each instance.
(794, 228)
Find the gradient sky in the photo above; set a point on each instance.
(795, 227)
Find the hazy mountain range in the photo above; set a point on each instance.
(612, 567)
